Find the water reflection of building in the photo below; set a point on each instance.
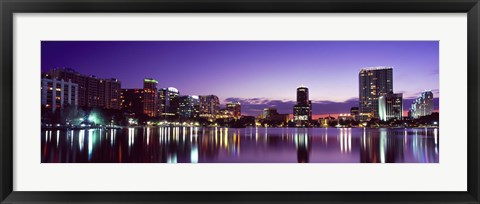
(150, 100)
(390, 106)
(423, 105)
(303, 145)
(373, 83)
(382, 146)
(56, 94)
(302, 111)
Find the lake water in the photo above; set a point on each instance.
(243, 145)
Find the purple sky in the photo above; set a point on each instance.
(257, 73)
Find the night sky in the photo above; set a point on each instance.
(258, 74)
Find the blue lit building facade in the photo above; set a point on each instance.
(423, 105)
(189, 106)
(390, 106)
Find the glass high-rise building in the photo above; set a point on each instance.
(390, 106)
(168, 101)
(150, 100)
(423, 105)
(302, 111)
(373, 83)
(189, 106)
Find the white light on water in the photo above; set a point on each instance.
(81, 139)
(194, 154)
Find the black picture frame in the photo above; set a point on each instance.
(10, 7)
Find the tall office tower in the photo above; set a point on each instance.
(132, 101)
(168, 101)
(235, 109)
(56, 94)
(373, 83)
(390, 106)
(112, 93)
(423, 105)
(92, 92)
(209, 106)
(302, 111)
(150, 98)
(188, 106)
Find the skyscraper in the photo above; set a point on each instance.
(373, 83)
(302, 111)
(112, 93)
(423, 105)
(188, 106)
(150, 100)
(168, 101)
(209, 105)
(235, 109)
(390, 106)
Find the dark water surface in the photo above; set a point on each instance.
(247, 145)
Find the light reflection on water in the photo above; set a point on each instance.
(247, 145)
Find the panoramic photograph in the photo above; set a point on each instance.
(239, 102)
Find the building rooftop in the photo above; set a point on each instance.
(376, 68)
(150, 80)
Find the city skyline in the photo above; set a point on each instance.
(331, 92)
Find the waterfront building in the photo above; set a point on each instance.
(209, 106)
(223, 113)
(168, 101)
(423, 105)
(268, 112)
(373, 83)
(302, 111)
(272, 115)
(150, 98)
(112, 93)
(132, 101)
(235, 109)
(345, 117)
(56, 94)
(92, 91)
(189, 106)
(390, 106)
(324, 122)
(355, 112)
